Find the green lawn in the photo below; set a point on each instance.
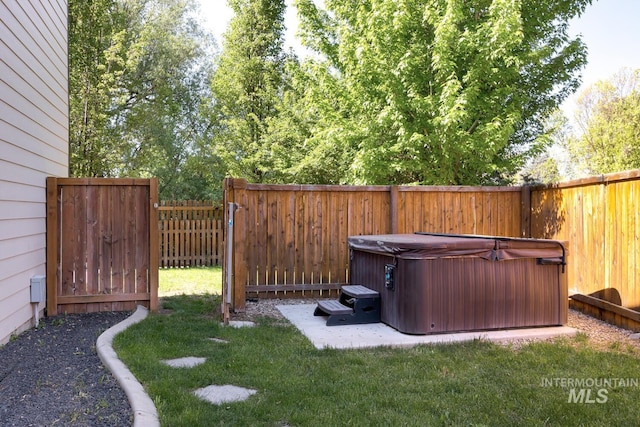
(189, 281)
(473, 384)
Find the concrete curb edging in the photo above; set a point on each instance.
(144, 410)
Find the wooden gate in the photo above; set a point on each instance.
(102, 244)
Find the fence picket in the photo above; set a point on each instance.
(190, 233)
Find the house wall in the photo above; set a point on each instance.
(33, 145)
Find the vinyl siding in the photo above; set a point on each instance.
(34, 128)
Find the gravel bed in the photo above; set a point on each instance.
(603, 336)
(52, 376)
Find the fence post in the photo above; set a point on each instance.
(228, 266)
(154, 244)
(235, 192)
(239, 245)
(52, 246)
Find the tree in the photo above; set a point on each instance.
(296, 134)
(247, 87)
(608, 121)
(138, 81)
(435, 92)
(544, 167)
(93, 71)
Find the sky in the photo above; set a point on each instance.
(217, 15)
(611, 31)
(609, 28)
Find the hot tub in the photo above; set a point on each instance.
(435, 283)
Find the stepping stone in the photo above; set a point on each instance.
(240, 324)
(218, 340)
(218, 394)
(185, 362)
(635, 336)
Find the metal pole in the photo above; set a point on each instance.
(229, 264)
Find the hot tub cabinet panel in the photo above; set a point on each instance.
(437, 283)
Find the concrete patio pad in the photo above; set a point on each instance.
(379, 334)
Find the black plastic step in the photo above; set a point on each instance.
(333, 307)
(359, 291)
(357, 304)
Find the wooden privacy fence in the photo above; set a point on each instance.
(292, 239)
(191, 233)
(102, 244)
(599, 217)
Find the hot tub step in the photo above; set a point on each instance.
(359, 291)
(357, 305)
(333, 307)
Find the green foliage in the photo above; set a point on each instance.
(137, 80)
(543, 167)
(608, 118)
(542, 170)
(247, 87)
(432, 92)
(299, 131)
(92, 73)
(397, 92)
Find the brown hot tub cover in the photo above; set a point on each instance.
(432, 246)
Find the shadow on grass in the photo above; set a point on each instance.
(196, 304)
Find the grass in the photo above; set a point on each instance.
(189, 281)
(474, 384)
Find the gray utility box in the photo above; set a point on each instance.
(38, 289)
